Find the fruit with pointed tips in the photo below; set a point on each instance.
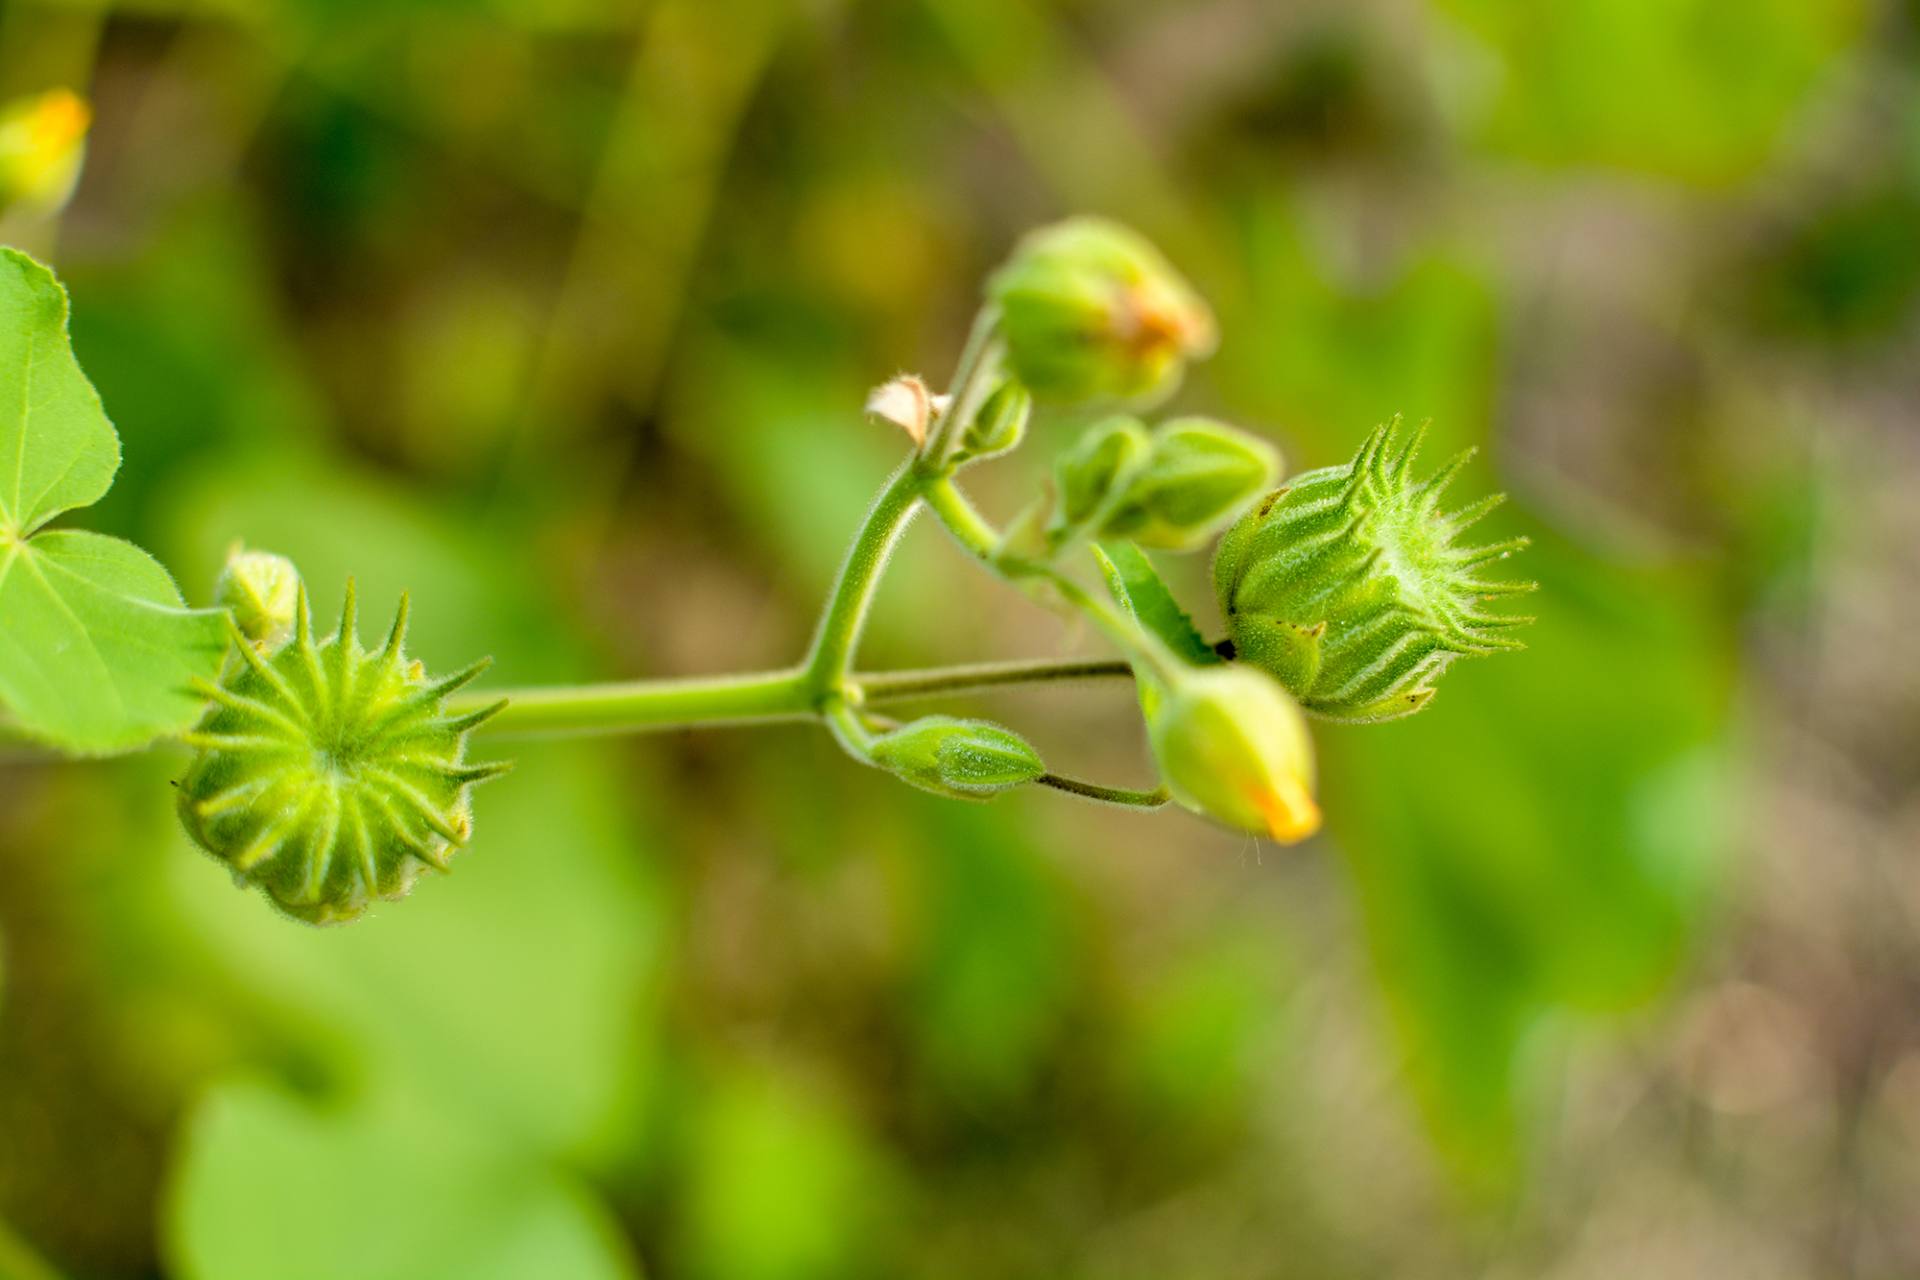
(1348, 587)
(329, 775)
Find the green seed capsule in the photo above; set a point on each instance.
(1347, 587)
(329, 775)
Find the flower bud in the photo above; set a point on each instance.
(1091, 477)
(999, 426)
(1089, 310)
(1199, 475)
(42, 142)
(329, 775)
(960, 759)
(1346, 585)
(261, 590)
(1234, 747)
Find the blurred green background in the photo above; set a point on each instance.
(560, 314)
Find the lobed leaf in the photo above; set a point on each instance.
(97, 649)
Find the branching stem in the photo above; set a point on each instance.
(823, 687)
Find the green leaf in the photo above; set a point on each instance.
(57, 449)
(269, 1185)
(98, 648)
(1142, 592)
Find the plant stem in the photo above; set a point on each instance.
(978, 536)
(758, 697)
(903, 686)
(1124, 796)
(828, 661)
(640, 705)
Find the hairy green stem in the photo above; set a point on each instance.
(902, 686)
(1125, 797)
(834, 641)
(978, 536)
(757, 697)
(806, 691)
(637, 706)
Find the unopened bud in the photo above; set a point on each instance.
(1348, 588)
(1234, 747)
(1090, 478)
(960, 759)
(1199, 475)
(261, 590)
(42, 143)
(999, 425)
(1089, 310)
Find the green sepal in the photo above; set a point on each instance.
(960, 759)
(1139, 589)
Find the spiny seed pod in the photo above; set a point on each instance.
(329, 775)
(1233, 747)
(1089, 310)
(1347, 587)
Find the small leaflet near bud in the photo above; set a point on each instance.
(1232, 746)
(908, 404)
(1349, 585)
(261, 590)
(1199, 476)
(960, 759)
(42, 143)
(1090, 478)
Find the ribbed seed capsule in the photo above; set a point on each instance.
(1347, 587)
(329, 775)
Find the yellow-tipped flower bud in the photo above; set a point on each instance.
(1234, 747)
(42, 142)
(1091, 311)
(262, 591)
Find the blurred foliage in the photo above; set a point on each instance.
(560, 313)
